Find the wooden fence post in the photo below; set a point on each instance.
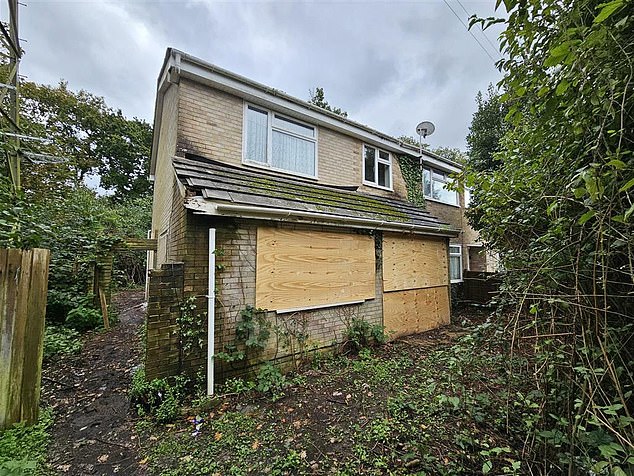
(23, 286)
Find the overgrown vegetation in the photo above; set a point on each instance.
(401, 409)
(85, 141)
(60, 340)
(23, 449)
(556, 202)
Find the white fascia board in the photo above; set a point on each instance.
(202, 206)
(439, 164)
(275, 100)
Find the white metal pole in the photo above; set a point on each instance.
(211, 318)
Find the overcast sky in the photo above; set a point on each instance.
(390, 65)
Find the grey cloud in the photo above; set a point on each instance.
(389, 65)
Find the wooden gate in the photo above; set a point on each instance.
(23, 285)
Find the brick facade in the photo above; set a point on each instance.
(235, 289)
(162, 356)
(210, 124)
(200, 120)
(468, 237)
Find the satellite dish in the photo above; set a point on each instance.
(425, 129)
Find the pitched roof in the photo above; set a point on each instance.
(225, 187)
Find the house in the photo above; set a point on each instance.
(264, 201)
(466, 251)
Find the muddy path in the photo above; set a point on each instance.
(93, 433)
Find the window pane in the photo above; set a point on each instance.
(257, 125)
(293, 126)
(293, 154)
(384, 155)
(384, 175)
(455, 266)
(444, 195)
(370, 161)
(426, 183)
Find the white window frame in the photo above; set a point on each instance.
(377, 160)
(459, 254)
(269, 140)
(445, 180)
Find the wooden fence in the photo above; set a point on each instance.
(23, 285)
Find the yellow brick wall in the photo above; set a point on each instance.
(211, 121)
(165, 187)
(455, 217)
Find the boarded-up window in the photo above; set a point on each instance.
(302, 269)
(414, 262)
(415, 281)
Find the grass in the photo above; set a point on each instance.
(23, 448)
(402, 409)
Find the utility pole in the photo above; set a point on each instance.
(11, 112)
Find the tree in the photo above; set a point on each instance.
(88, 137)
(451, 153)
(557, 203)
(318, 98)
(486, 130)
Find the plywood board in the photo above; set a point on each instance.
(417, 310)
(298, 269)
(413, 262)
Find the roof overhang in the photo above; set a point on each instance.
(202, 206)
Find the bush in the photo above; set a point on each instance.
(83, 319)
(22, 448)
(60, 340)
(360, 333)
(157, 397)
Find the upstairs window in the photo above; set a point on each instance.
(279, 142)
(435, 184)
(377, 167)
(455, 263)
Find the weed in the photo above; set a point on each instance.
(60, 340)
(23, 448)
(271, 380)
(238, 385)
(155, 397)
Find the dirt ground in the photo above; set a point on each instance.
(93, 432)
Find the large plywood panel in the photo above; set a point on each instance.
(411, 262)
(417, 310)
(299, 269)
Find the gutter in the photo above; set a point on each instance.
(202, 206)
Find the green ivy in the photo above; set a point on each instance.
(251, 334)
(413, 176)
(191, 324)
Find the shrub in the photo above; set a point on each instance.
(60, 340)
(156, 397)
(83, 318)
(23, 448)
